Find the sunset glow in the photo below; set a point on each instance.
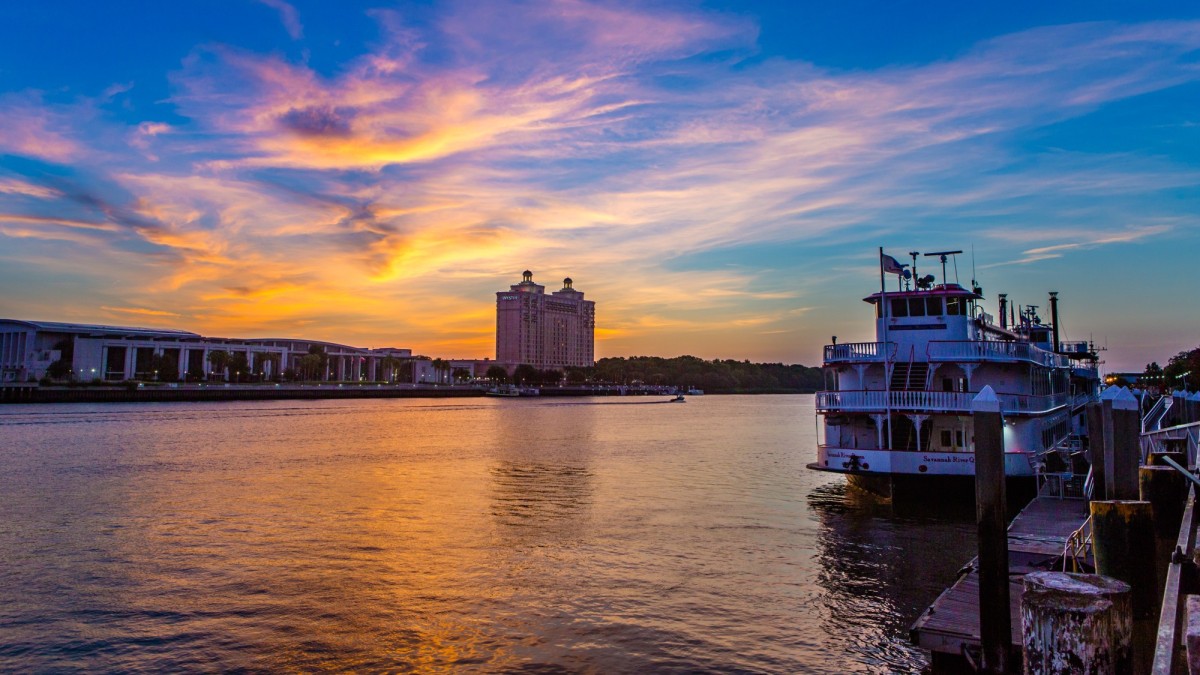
(717, 179)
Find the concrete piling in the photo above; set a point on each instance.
(1076, 623)
(1121, 454)
(995, 623)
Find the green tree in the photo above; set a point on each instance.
(497, 374)
(1183, 371)
(525, 374)
(218, 361)
(310, 365)
(461, 374)
(165, 367)
(322, 360)
(59, 370)
(390, 365)
(239, 366)
(440, 367)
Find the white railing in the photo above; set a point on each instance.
(1152, 421)
(860, 351)
(936, 401)
(1184, 436)
(993, 350)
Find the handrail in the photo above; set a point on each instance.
(1154, 417)
(961, 350)
(872, 399)
(1152, 441)
(1171, 616)
(860, 351)
(1077, 543)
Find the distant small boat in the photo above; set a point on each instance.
(513, 391)
(678, 399)
(695, 392)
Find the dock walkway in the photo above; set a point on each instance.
(1036, 539)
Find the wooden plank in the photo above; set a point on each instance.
(1038, 533)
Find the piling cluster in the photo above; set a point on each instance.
(1083, 623)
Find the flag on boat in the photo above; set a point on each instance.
(891, 265)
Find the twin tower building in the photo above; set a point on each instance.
(547, 331)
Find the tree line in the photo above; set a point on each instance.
(1181, 372)
(717, 376)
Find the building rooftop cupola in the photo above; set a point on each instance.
(527, 277)
(567, 283)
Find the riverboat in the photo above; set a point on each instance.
(896, 414)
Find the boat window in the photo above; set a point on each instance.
(954, 306)
(933, 306)
(916, 306)
(900, 307)
(945, 438)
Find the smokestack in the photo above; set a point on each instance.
(1004, 310)
(1054, 319)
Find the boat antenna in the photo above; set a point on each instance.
(942, 255)
(974, 283)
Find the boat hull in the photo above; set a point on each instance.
(911, 463)
(925, 488)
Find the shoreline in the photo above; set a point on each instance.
(125, 393)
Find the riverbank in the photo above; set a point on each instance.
(159, 393)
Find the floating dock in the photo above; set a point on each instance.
(949, 628)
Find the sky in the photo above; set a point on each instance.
(717, 176)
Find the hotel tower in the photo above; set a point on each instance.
(544, 331)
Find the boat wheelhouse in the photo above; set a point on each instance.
(897, 411)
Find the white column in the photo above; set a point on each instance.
(371, 363)
(862, 374)
(969, 368)
(918, 420)
(130, 362)
(879, 420)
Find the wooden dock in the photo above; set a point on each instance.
(1036, 540)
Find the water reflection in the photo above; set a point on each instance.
(484, 535)
(879, 568)
(541, 499)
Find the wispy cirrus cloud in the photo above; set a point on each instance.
(288, 15)
(599, 140)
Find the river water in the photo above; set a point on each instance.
(480, 535)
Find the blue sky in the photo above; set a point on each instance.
(717, 176)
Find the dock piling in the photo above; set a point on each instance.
(1166, 491)
(1124, 544)
(995, 622)
(1095, 430)
(1121, 453)
(1075, 623)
